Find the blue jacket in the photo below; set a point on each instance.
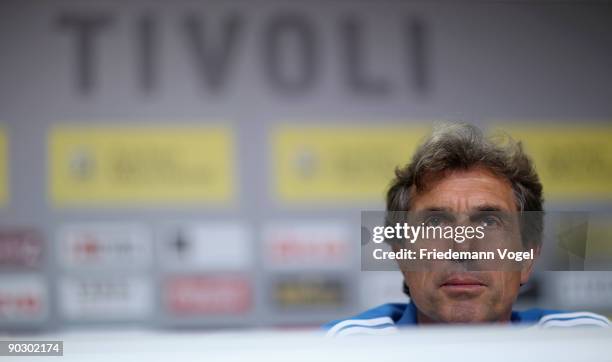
(387, 318)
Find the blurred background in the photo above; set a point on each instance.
(203, 164)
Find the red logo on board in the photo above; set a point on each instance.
(208, 295)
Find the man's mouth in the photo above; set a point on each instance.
(462, 283)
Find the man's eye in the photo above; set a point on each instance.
(489, 221)
(433, 221)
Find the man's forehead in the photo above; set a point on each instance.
(464, 190)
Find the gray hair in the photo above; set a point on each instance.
(460, 146)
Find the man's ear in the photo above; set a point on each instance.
(528, 265)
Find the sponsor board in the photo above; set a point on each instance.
(380, 287)
(105, 298)
(21, 248)
(142, 165)
(574, 162)
(598, 245)
(98, 245)
(580, 290)
(304, 293)
(186, 296)
(307, 245)
(212, 246)
(324, 164)
(23, 298)
(3, 168)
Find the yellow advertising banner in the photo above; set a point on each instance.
(141, 164)
(574, 162)
(3, 168)
(340, 163)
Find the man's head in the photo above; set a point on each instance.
(460, 171)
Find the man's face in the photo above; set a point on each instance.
(460, 296)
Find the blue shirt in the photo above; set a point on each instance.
(386, 319)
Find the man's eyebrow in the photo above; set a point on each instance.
(483, 207)
(474, 211)
(437, 208)
(488, 207)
